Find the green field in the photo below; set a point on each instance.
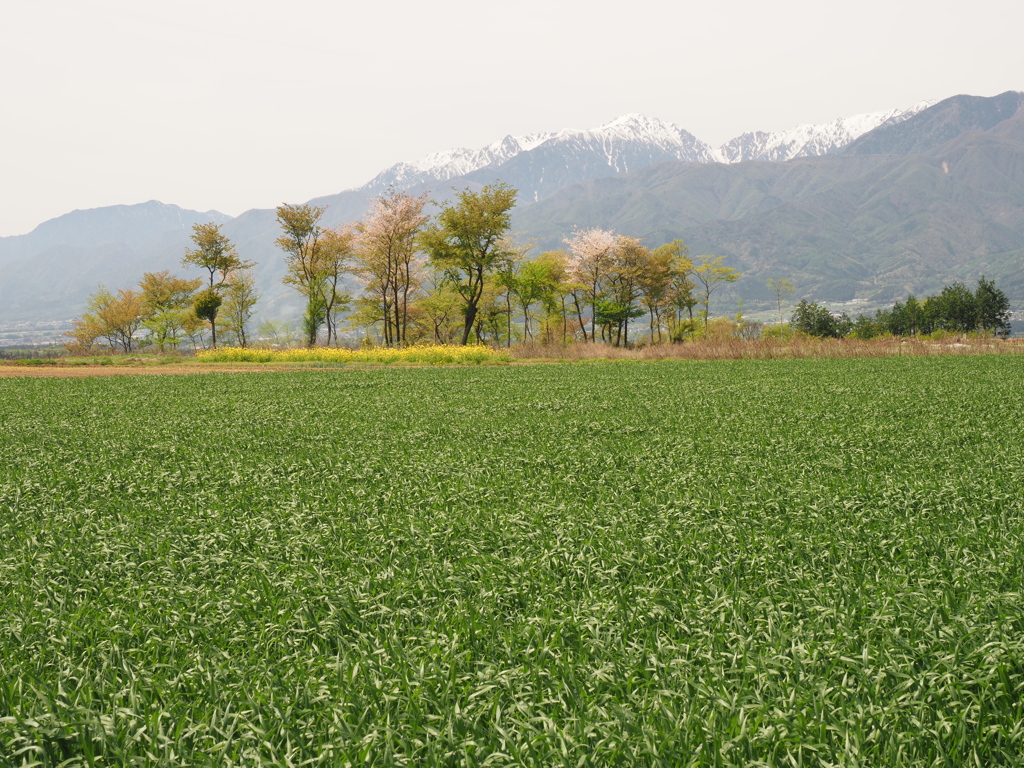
(785, 563)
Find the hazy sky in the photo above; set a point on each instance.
(233, 105)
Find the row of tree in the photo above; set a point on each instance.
(454, 278)
(955, 309)
(461, 277)
(174, 310)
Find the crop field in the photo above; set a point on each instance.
(784, 563)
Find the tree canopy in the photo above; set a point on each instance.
(467, 242)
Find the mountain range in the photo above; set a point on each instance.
(868, 207)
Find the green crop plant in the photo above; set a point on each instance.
(783, 563)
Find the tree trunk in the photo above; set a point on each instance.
(579, 316)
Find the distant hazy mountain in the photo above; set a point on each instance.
(48, 273)
(134, 226)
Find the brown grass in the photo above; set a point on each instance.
(769, 349)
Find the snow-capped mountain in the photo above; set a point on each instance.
(441, 166)
(620, 139)
(542, 162)
(811, 140)
(627, 143)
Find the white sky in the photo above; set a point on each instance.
(233, 104)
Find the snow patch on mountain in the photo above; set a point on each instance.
(450, 163)
(621, 138)
(810, 140)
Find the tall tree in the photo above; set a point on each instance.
(630, 262)
(386, 257)
(333, 259)
(656, 282)
(711, 274)
(954, 309)
(466, 241)
(300, 226)
(240, 298)
(993, 308)
(538, 281)
(782, 289)
(166, 304)
(592, 253)
(215, 253)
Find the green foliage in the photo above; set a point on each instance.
(214, 252)
(711, 274)
(206, 304)
(864, 328)
(115, 318)
(467, 241)
(955, 310)
(614, 314)
(587, 565)
(240, 299)
(992, 307)
(300, 239)
(166, 306)
(815, 320)
(314, 318)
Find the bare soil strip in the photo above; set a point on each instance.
(81, 371)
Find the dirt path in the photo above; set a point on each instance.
(80, 371)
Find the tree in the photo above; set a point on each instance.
(781, 289)
(166, 304)
(215, 253)
(299, 239)
(904, 319)
(631, 262)
(439, 307)
(815, 320)
(205, 305)
(539, 282)
(114, 317)
(386, 257)
(557, 267)
(466, 241)
(592, 253)
(954, 309)
(331, 261)
(656, 282)
(681, 297)
(710, 274)
(993, 308)
(240, 297)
